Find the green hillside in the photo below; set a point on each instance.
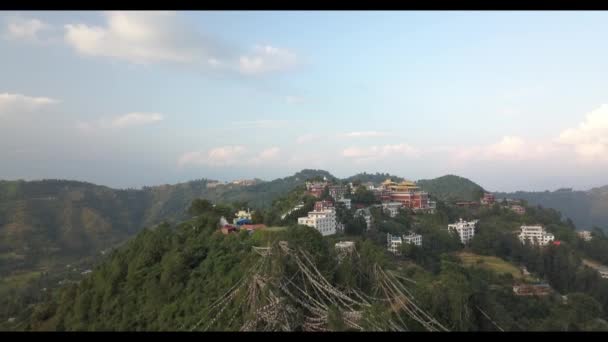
(587, 209)
(452, 188)
(191, 277)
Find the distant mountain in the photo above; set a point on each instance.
(585, 208)
(452, 188)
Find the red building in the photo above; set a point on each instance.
(488, 199)
(322, 205)
(227, 229)
(253, 226)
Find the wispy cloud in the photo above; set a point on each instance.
(374, 153)
(25, 29)
(267, 58)
(155, 37)
(230, 155)
(14, 104)
(123, 121)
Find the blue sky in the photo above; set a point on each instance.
(512, 100)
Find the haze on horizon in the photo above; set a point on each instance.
(510, 100)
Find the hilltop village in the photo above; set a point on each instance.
(333, 199)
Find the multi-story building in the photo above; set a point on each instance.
(392, 208)
(488, 199)
(518, 209)
(394, 242)
(322, 205)
(337, 191)
(242, 217)
(585, 235)
(465, 230)
(323, 220)
(406, 192)
(316, 188)
(412, 238)
(536, 235)
(366, 214)
(345, 201)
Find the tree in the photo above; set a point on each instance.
(199, 206)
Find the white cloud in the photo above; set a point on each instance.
(270, 153)
(122, 121)
(136, 119)
(265, 59)
(142, 37)
(590, 138)
(374, 153)
(366, 134)
(153, 37)
(15, 104)
(218, 156)
(27, 29)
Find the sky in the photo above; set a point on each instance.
(510, 100)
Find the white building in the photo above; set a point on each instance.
(324, 221)
(535, 235)
(392, 208)
(465, 230)
(585, 235)
(345, 201)
(366, 215)
(412, 238)
(394, 242)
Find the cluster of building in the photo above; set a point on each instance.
(407, 193)
(316, 189)
(585, 235)
(241, 221)
(322, 218)
(394, 242)
(535, 235)
(464, 229)
(488, 199)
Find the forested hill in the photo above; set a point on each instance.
(586, 208)
(375, 178)
(189, 276)
(40, 220)
(452, 188)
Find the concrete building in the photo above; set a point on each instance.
(337, 191)
(365, 213)
(518, 209)
(488, 199)
(242, 217)
(465, 230)
(585, 235)
(535, 235)
(407, 193)
(346, 202)
(323, 220)
(316, 188)
(394, 242)
(412, 238)
(391, 208)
